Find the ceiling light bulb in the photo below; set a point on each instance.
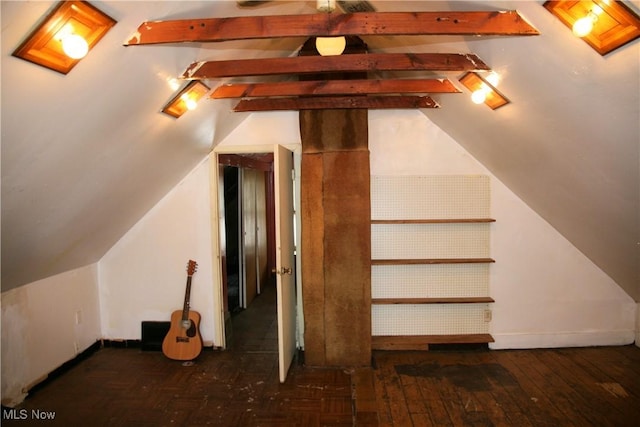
(328, 46)
(189, 102)
(74, 46)
(479, 96)
(584, 26)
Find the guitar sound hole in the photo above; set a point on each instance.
(191, 332)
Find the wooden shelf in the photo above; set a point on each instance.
(432, 261)
(449, 300)
(421, 342)
(432, 221)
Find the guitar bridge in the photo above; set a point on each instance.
(182, 339)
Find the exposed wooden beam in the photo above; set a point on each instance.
(340, 63)
(508, 23)
(333, 87)
(335, 102)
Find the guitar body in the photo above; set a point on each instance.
(183, 342)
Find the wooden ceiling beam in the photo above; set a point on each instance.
(333, 87)
(339, 63)
(335, 102)
(494, 23)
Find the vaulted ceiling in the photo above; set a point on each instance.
(87, 154)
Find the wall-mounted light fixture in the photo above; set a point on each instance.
(65, 36)
(604, 24)
(482, 91)
(187, 99)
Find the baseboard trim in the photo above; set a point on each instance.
(121, 343)
(561, 339)
(66, 366)
(41, 382)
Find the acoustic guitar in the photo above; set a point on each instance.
(183, 341)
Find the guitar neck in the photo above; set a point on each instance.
(187, 295)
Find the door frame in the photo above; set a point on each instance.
(217, 221)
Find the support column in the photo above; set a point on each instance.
(336, 237)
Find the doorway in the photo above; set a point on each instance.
(278, 185)
(248, 217)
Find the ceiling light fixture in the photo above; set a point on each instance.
(604, 24)
(329, 46)
(65, 36)
(187, 99)
(483, 91)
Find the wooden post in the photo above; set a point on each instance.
(336, 237)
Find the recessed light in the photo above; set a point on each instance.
(65, 36)
(605, 25)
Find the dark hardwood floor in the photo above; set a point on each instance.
(235, 387)
(543, 387)
(240, 387)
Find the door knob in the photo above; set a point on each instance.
(283, 270)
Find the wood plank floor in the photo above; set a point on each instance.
(239, 387)
(544, 387)
(235, 387)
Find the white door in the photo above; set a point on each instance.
(285, 263)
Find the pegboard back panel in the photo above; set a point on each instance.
(429, 281)
(410, 241)
(431, 196)
(433, 319)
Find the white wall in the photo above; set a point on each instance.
(143, 276)
(548, 294)
(267, 128)
(45, 324)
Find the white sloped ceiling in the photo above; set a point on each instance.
(85, 155)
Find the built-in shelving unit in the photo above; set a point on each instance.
(430, 259)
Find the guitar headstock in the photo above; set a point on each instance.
(192, 267)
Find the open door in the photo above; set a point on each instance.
(285, 262)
